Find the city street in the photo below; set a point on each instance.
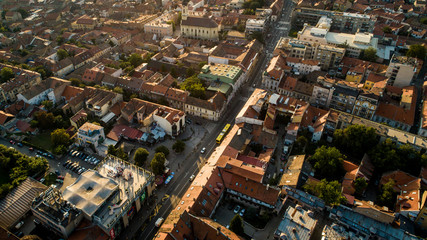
(168, 196)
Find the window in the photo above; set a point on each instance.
(204, 202)
(209, 193)
(203, 211)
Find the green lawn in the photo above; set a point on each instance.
(42, 140)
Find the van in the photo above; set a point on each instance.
(159, 222)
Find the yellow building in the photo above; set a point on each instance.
(421, 219)
(372, 79)
(366, 104)
(84, 23)
(199, 28)
(355, 74)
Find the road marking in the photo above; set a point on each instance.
(165, 197)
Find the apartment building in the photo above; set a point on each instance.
(366, 104)
(402, 70)
(161, 26)
(343, 98)
(341, 21)
(90, 133)
(254, 25)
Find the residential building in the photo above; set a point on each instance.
(302, 66)
(355, 43)
(199, 28)
(161, 26)
(366, 104)
(422, 215)
(296, 172)
(401, 114)
(84, 23)
(355, 74)
(274, 73)
(50, 89)
(90, 133)
(329, 56)
(343, 98)
(341, 21)
(146, 114)
(12, 16)
(402, 70)
(372, 79)
(322, 92)
(297, 222)
(254, 25)
(211, 109)
(408, 189)
(22, 81)
(55, 213)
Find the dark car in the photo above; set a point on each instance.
(57, 172)
(19, 144)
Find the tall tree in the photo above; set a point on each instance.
(60, 137)
(385, 156)
(140, 156)
(178, 146)
(158, 163)
(360, 185)
(236, 225)
(163, 149)
(135, 59)
(387, 196)
(62, 54)
(417, 51)
(330, 192)
(369, 54)
(356, 139)
(6, 74)
(328, 163)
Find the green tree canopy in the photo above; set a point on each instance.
(195, 86)
(384, 156)
(328, 163)
(24, 13)
(356, 139)
(178, 146)
(386, 29)
(330, 192)
(135, 59)
(236, 225)
(360, 185)
(158, 163)
(60, 137)
(46, 120)
(163, 149)
(140, 156)
(62, 54)
(118, 90)
(369, 54)
(388, 196)
(417, 51)
(6, 74)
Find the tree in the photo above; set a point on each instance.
(369, 54)
(360, 185)
(330, 192)
(190, 72)
(158, 163)
(62, 54)
(236, 225)
(387, 194)
(195, 86)
(60, 40)
(47, 104)
(386, 29)
(299, 145)
(173, 72)
(327, 162)
(140, 156)
(6, 74)
(75, 82)
(60, 137)
(118, 90)
(356, 139)
(135, 59)
(417, 51)
(24, 13)
(178, 146)
(45, 120)
(162, 149)
(384, 156)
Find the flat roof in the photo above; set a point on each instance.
(296, 224)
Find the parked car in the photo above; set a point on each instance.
(19, 225)
(12, 142)
(159, 222)
(203, 150)
(61, 177)
(19, 144)
(31, 149)
(242, 212)
(57, 172)
(237, 209)
(192, 178)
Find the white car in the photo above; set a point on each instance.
(159, 222)
(203, 150)
(192, 178)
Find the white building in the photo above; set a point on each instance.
(90, 133)
(254, 25)
(402, 70)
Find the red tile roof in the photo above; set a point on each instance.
(125, 131)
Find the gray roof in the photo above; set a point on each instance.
(90, 191)
(18, 201)
(200, 22)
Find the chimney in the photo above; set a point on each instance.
(218, 231)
